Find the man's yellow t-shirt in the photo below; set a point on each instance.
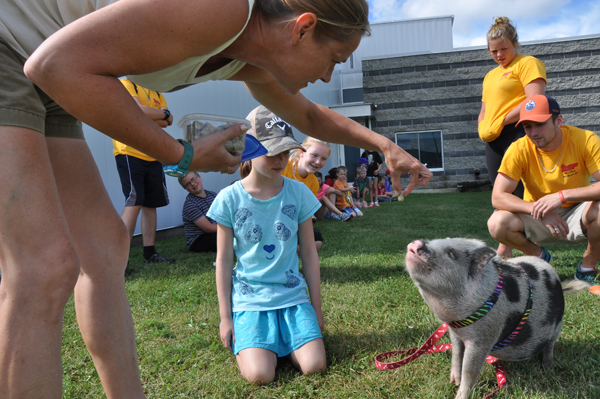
(504, 90)
(310, 181)
(579, 158)
(149, 98)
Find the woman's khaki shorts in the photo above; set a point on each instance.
(536, 231)
(23, 104)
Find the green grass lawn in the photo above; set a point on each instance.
(370, 306)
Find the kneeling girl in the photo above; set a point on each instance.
(265, 309)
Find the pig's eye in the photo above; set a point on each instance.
(452, 255)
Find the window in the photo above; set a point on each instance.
(426, 146)
(350, 96)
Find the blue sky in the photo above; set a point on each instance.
(534, 19)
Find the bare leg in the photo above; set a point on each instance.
(39, 268)
(129, 216)
(102, 243)
(504, 251)
(591, 225)
(320, 214)
(310, 358)
(507, 228)
(148, 226)
(257, 365)
(330, 205)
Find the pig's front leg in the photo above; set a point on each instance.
(458, 351)
(473, 361)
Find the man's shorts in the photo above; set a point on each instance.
(281, 330)
(23, 104)
(536, 231)
(143, 182)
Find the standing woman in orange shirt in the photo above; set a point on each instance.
(517, 77)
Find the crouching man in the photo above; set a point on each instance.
(555, 162)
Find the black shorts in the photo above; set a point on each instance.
(206, 242)
(143, 182)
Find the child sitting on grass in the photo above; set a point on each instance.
(361, 187)
(264, 301)
(382, 194)
(331, 177)
(327, 196)
(344, 202)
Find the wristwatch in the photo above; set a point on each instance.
(167, 114)
(184, 164)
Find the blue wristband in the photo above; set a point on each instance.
(184, 164)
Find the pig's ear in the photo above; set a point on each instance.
(481, 257)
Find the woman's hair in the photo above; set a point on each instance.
(502, 28)
(339, 19)
(307, 143)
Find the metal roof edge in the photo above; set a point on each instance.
(483, 47)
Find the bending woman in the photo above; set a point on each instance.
(61, 60)
(504, 89)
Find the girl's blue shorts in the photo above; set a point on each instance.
(281, 330)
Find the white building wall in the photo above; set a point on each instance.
(232, 99)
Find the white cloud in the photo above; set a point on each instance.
(535, 19)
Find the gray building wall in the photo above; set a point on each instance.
(442, 91)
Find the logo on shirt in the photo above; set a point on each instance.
(570, 170)
(566, 168)
(505, 75)
(530, 105)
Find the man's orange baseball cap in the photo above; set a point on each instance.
(538, 108)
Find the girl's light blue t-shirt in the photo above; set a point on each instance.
(266, 275)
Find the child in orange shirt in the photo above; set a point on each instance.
(345, 202)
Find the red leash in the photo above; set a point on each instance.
(430, 347)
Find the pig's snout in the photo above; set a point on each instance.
(415, 252)
(415, 246)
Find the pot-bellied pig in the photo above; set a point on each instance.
(510, 310)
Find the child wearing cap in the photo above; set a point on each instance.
(268, 309)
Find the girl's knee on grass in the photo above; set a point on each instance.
(257, 365)
(310, 358)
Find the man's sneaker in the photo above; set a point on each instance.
(156, 258)
(546, 256)
(346, 217)
(591, 277)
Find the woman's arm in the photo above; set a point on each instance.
(223, 274)
(537, 86)
(321, 122)
(80, 64)
(310, 265)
